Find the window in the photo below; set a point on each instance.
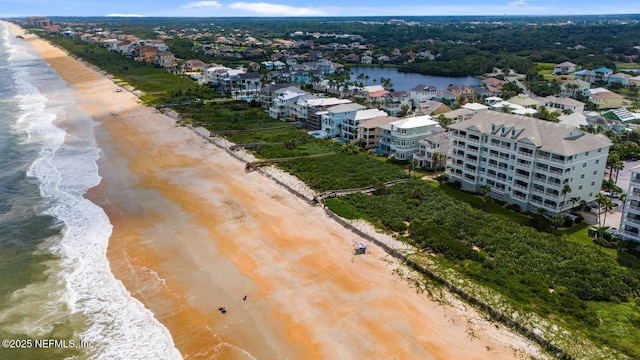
(580, 187)
(586, 153)
(599, 150)
(593, 183)
(584, 165)
(590, 194)
(597, 161)
(595, 172)
(582, 176)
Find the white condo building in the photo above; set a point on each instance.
(630, 220)
(526, 161)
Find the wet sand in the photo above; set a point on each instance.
(193, 231)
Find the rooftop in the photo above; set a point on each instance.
(545, 135)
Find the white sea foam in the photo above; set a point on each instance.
(119, 326)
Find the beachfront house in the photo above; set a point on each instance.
(433, 150)
(309, 110)
(283, 104)
(334, 116)
(400, 139)
(369, 131)
(350, 123)
(527, 161)
(247, 85)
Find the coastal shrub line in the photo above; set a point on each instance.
(542, 273)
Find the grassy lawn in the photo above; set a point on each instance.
(624, 65)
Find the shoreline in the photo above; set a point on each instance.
(187, 219)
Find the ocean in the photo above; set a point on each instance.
(58, 298)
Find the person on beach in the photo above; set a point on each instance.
(244, 298)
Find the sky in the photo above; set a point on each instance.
(277, 8)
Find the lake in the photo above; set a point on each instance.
(407, 81)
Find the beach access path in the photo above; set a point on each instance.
(194, 231)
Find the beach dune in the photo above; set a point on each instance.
(193, 232)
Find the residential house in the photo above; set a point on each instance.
(350, 123)
(366, 59)
(573, 87)
(634, 80)
(309, 110)
(494, 86)
(462, 92)
(433, 150)
(193, 65)
(564, 68)
(283, 104)
(584, 75)
(333, 117)
(606, 100)
(475, 107)
(400, 139)
(481, 91)
(629, 228)
(524, 101)
(563, 103)
(527, 161)
(431, 107)
(268, 93)
(369, 131)
(621, 78)
(247, 85)
(602, 74)
(146, 54)
(457, 115)
(575, 119)
(164, 59)
(421, 93)
(395, 101)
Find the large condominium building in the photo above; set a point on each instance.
(630, 221)
(525, 161)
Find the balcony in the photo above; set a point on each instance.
(522, 176)
(635, 180)
(525, 154)
(519, 197)
(631, 220)
(521, 187)
(550, 159)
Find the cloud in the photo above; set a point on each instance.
(518, 3)
(124, 15)
(202, 4)
(275, 9)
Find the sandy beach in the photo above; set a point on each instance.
(193, 231)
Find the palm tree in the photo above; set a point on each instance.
(574, 200)
(617, 166)
(605, 204)
(565, 190)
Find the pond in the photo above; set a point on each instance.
(407, 81)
